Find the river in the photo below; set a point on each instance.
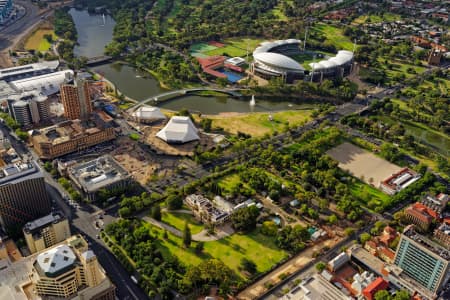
(95, 32)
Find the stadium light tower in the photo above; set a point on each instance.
(247, 52)
(304, 41)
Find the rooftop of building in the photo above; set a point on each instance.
(316, 287)
(27, 96)
(206, 205)
(38, 224)
(47, 84)
(364, 256)
(401, 179)
(426, 243)
(57, 260)
(98, 173)
(67, 130)
(51, 65)
(13, 173)
(15, 282)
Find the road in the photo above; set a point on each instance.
(11, 34)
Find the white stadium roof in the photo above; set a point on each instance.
(342, 58)
(56, 259)
(273, 62)
(149, 113)
(278, 60)
(47, 84)
(178, 130)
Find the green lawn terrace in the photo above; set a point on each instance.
(230, 250)
(332, 35)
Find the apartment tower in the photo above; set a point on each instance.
(76, 100)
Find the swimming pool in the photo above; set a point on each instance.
(231, 76)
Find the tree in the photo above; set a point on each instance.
(332, 219)
(187, 238)
(199, 247)
(156, 212)
(364, 237)
(269, 228)
(320, 266)
(174, 202)
(244, 219)
(402, 295)
(349, 231)
(382, 295)
(248, 265)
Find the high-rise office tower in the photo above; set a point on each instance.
(423, 260)
(76, 100)
(23, 196)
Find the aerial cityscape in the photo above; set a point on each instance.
(224, 149)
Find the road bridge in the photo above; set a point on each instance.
(98, 60)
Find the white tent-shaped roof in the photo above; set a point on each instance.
(179, 130)
(149, 113)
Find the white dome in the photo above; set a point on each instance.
(278, 60)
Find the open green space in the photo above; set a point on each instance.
(399, 68)
(228, 50)
(334, 35)
(258, 124)
(230, 250)
(178, 220)
(386, 17)
(37, 41)
(368, 193)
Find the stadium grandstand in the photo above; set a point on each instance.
(271, 59)
(337, 66)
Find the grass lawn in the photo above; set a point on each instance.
(258, 124)
(236, 47)
(363, 191)
(229, 182)
(399, 67)
(228, 50)
(230, 250)
(37, 41)
(388, 17)
(278, 13)
(335, 36)
(178, 220)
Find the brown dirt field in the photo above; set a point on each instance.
(362, 164)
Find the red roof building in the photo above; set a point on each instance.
(418, 216)
(377, 285)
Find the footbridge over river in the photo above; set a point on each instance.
(173, 94)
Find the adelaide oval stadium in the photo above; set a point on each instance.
(274, 59)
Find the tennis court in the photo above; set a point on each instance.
(201, 47)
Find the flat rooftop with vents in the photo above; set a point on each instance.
(102, 172)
